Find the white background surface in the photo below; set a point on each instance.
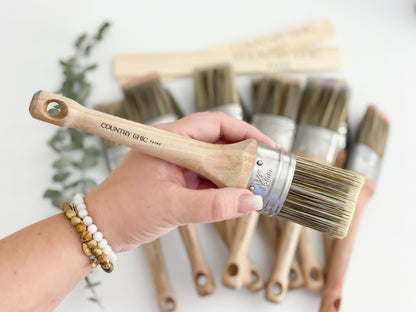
(378, 42)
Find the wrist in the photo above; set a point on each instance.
(101, 211)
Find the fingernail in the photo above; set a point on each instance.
(247, 203)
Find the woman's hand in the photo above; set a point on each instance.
(144, 197)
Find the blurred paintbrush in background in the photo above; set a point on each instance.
(114, 153)
(215, 90)
(365, 158)
(154, 104)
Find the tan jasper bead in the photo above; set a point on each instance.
(108, 268)
(97, 251)
(81, 227)
(65, 207)
(86, 249)
(75, 221)
(102, 258)
(86, 236)
(70, 214)
(92, 244)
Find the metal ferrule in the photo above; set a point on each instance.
(365, 161)
(271, 177)
(280, 129)
(162, 119)
(317, 141)
(234, 110)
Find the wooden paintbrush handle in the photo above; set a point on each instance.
(233, 276)
(204, 282)
(328, 246)
(165, 296)
(253, 279)
(272, 229)
(278, 282)
(312, 270)
(331, 295)
(223, 164)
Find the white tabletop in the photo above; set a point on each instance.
(378, 44)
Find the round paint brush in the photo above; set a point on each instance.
(215, 91)
(148, 100)
(309, 193)
(276, 103)
(365, 158)
(323, 112)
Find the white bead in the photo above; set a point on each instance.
(102, 243)
(112, 256)
(98, 236)
(87, 220)
(78, 199)
(82, 213)
(107, 249)
(81, 206)
(92, 228)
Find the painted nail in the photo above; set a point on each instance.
(247, 203)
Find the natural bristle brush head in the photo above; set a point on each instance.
(276, 105)
(215, 90)
(147, 101)
(277, 95)
(369, 144)
(317, 196)
(324, 103)
(373, 130)
(322, 197)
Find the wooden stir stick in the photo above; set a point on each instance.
(165, 295)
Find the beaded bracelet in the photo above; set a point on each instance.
(93, 243)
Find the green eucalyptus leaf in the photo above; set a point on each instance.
(80, 40)
(89, 160)
(91, 285)
(77, 138)
(72, 184)
(100, 33)
(87, 50)
(83, 94)
(61, 176)
(49, 193)
(62, 162)
(88, 184)
(57, 200)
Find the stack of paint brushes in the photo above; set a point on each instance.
(312, 123)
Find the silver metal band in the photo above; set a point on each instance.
(317, 141)
(271, 177)
(280, 129)
(365, 161)
(234, 110)
(162, 119)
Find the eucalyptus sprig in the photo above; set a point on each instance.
(76, 154)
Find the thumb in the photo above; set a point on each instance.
(212, 205)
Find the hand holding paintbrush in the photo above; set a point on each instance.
(365, 158)
(308, 193)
